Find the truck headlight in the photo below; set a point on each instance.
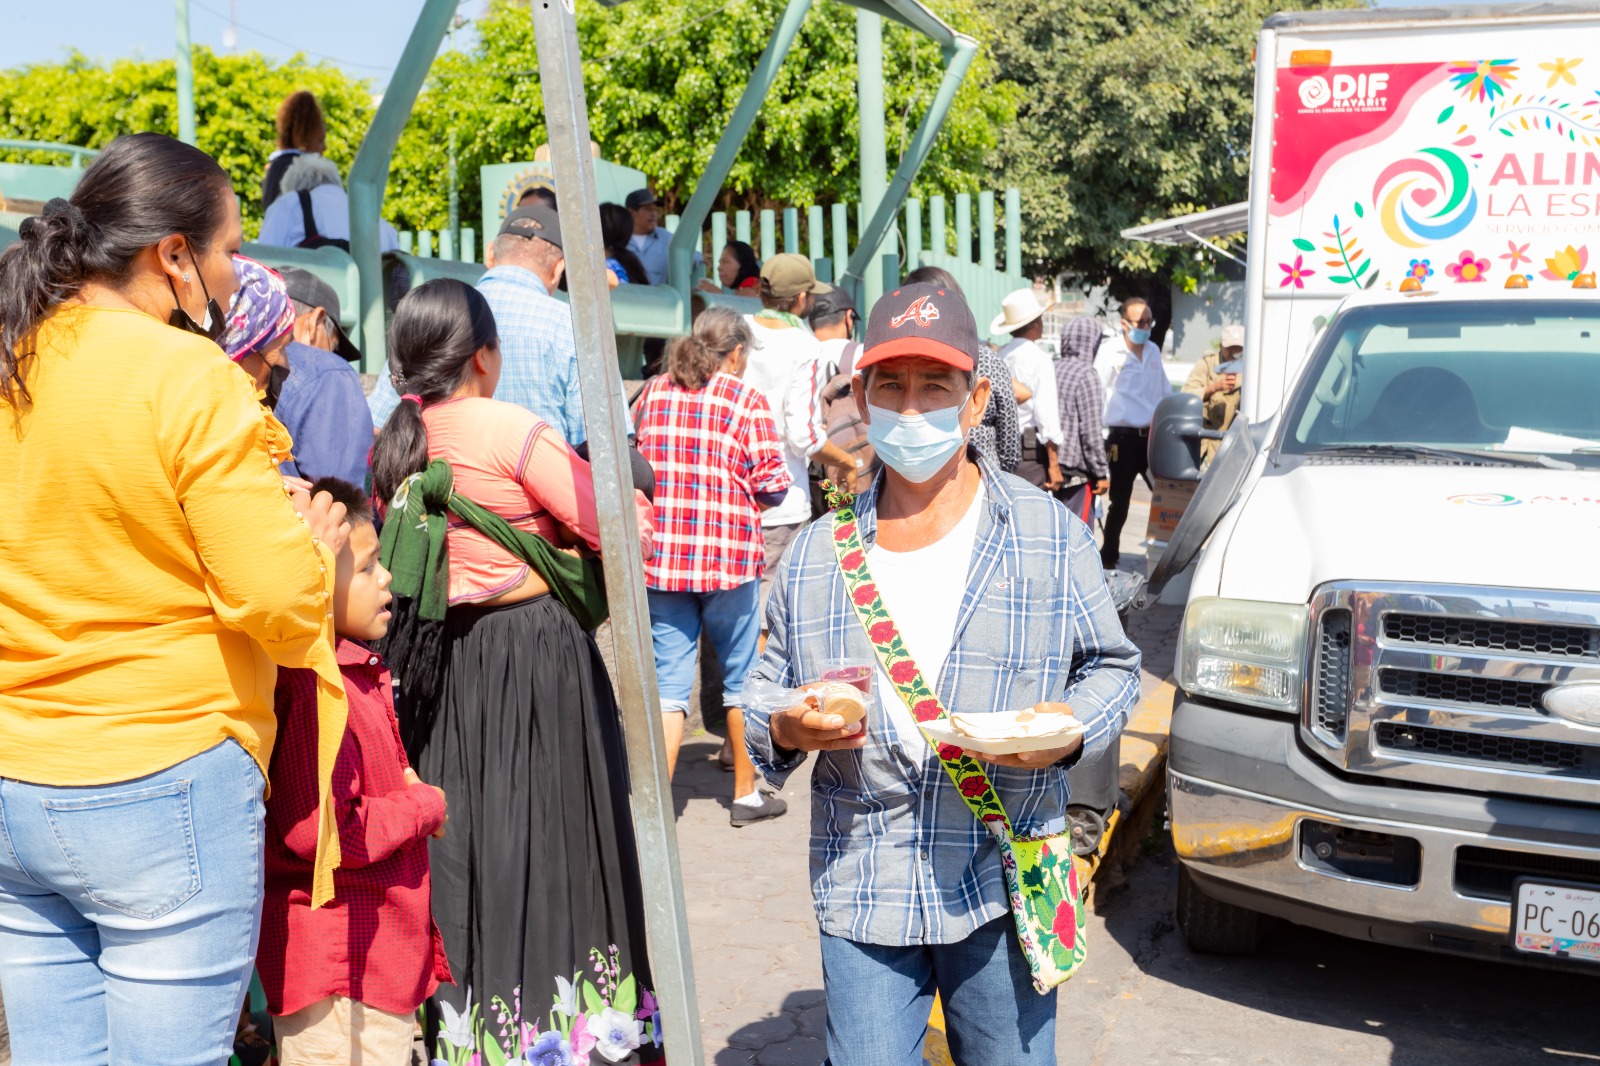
(1244, 651)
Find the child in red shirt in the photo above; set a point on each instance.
(344, 981)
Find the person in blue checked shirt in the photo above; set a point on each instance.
(909, 892)
(538, 354)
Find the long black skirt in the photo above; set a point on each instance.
(536, 882)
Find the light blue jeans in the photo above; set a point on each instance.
(730, 617)
(129, 914)
(879, 998)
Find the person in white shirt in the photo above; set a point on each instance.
(312, 203)
(784, 367)
(1130, 368)
(1039, 416)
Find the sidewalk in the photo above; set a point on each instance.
(757, 968)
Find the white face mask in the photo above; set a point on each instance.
(916, 446)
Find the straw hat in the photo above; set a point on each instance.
(1017, 310)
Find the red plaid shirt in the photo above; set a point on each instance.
(375, 942)
(713, 449)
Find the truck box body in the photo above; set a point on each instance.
(1459, 149)
(1388, 717)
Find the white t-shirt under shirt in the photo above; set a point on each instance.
(922, 590)
(785, 369)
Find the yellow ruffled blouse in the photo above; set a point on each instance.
(153, 573)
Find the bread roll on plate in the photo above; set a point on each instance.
(846, 701)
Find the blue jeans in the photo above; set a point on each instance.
(879, 998)
(129, 914)
(730, 619)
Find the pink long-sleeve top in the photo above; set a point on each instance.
(507, 459)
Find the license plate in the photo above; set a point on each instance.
(1551, 918)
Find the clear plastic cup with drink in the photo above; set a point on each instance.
(859, 674)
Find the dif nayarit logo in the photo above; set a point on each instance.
(1345, 92)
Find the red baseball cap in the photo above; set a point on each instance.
(925, 320)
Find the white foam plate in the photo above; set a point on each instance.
(945, 733)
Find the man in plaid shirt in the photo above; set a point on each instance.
(909, 891)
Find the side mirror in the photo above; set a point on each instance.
(1175, 434)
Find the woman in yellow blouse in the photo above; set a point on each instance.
(153, 575)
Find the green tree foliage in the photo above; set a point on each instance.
(662, 79)
(236, 102)
(1132, 112)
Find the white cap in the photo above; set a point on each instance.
(1233, 336)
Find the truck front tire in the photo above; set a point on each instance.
(1211, 926)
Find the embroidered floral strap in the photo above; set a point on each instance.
(967, 773)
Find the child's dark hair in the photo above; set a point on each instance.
(357, 504)
(438, 327)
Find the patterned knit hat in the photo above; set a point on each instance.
(261, 311)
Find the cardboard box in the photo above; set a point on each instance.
(1167, 503)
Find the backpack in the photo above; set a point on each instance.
(840, 416)
(313, 239)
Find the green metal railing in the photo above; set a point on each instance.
(80, 156)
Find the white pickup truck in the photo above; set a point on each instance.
(1388, 717)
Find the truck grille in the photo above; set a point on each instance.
(1445, 685)
(1459, 744)
(1530, 638)
(1491, 873)
(1460, 688)
(1332, 673)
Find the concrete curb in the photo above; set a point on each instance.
(1141, 780)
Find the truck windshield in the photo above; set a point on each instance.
(1498, 376)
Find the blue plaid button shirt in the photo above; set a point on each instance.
(538, 356)
(896, 857)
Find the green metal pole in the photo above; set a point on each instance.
(454, 224)
(958, 57)
(185, 64)
(913, 234)
(1014, 231)
(369, 174)
(566, 113)
(873, 145)
(986, 230)
(680, 253)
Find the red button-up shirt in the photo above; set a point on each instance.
(713, 450)
(376, 942)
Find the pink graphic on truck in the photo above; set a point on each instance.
(1421, 170)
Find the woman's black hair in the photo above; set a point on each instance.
(438, 327)
(616, 226)
(934, 275)
(749, 265)
(141, 190)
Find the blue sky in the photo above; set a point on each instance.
(363, 36)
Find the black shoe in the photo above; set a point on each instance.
(771, 807)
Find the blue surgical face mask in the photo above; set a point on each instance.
(916, 446)
(1139, 336)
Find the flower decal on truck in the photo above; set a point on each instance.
(1467, 267)
(1484, 79)
(1295, 273)
(1566, 264)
